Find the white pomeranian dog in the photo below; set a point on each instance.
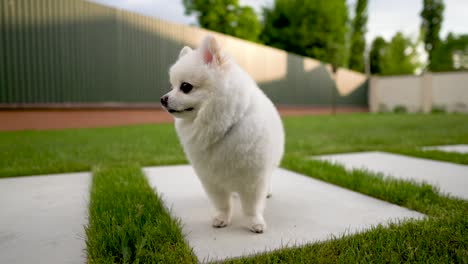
(230, 131)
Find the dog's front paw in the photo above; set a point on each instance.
(220, 221)
(258, 228)
(257, 225)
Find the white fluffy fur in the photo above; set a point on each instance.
(233, 137)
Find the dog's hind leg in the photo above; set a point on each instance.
(253, 203)
(270, 191)
(270, 186)
(221, 200)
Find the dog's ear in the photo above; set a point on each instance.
(184, 51)
(210, 51)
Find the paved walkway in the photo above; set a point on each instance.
(42, 218)
(302, 210)
(449, 148)
(451, 178)
(41, 119)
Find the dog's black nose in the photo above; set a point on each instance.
(164, 100)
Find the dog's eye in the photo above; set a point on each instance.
(186, 87)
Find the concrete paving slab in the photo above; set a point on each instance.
(302, 210)
(42, 218)
(449, 148)
(449, 177)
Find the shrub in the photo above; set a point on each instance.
(438, 109)
(400, 109)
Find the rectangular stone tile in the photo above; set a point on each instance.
(42, 218)
(302, 210)
(449, 148)
(451, 178)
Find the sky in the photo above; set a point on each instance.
(385, 17)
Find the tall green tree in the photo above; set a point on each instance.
(358, 42)
(307, 27)
(451, 54)
(442, 56)
(377, 55)
(399, 56)
(226, 16)
(460, 51)
(432, 16)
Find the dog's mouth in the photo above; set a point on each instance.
(180, 111)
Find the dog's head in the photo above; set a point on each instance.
(195, 78)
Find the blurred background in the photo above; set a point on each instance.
(79, 63)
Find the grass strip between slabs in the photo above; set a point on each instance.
(128, 222)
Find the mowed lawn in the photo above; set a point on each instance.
(129, 224)
(40, 152)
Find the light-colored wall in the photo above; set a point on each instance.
(77, 52)
(390, 92)
(448, 91)
(263, 63)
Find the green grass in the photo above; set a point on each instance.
(365, 132)
(129, 224)
(39, 152)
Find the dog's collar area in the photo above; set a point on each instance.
(181, 111)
